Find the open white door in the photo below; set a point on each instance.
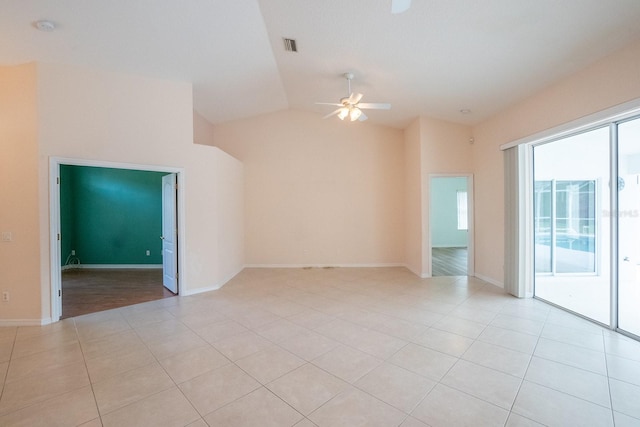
(169, 233)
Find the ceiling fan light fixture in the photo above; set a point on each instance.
(355, 114)
(350, 106)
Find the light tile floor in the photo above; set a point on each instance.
(323, 347)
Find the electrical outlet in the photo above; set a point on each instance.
(7, 236)
(5, 296)
(73, 252)
(148, 252)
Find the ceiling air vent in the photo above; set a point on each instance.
(290, 45)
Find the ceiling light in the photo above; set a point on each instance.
(465, 111)
(355, 113)
(344, 112)
(44, 25)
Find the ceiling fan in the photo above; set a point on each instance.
(350, 106)
(399, 6)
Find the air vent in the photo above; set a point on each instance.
(290, 45)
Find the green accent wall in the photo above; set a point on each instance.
(444, 212)
(111, 216)
(67, 217)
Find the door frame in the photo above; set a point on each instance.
(55, 257)
(470, 216)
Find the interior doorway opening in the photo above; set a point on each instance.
(451, 225)
(108, 229)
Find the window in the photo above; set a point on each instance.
(462, 210)
(565, 223)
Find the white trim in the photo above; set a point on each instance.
(420, 275)
(201, 290)
(382, 265)
(116, 266)
(211, 288)
(24, 322)
(599, 118)
(325, 265)
(55, 268)
(115, 165)
(489, 280)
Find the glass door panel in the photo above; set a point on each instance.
(629, 226)
(542, 226)
(571, 229)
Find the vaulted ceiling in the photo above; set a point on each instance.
(437, 58)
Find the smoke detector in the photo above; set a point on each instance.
(44, 25)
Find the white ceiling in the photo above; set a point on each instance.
(439, 57)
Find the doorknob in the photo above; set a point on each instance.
(625, 259)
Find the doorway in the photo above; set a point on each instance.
(572, 236)
(586, 234)
(112, 228)
(450, 219)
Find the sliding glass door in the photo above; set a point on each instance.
(571, 230)
(629, 226)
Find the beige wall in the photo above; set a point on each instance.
(202, 130)
(109, 117)
(446, 150)
(414, 189)
(319, 192)
(606, 83)
(20, 258)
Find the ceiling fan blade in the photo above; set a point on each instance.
(328, 103)
(399, 6)
(363, 117)
(375, 106)
(354, 98)
(332, 113)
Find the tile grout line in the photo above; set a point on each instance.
(606, 367)
(84, 359)
(515, 399)
(6, 374)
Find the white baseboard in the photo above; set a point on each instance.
(419, 274)
(324, 265)
(110, 266)
(24, 322)
(489, 280)
(210, 288)
(186, 293)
